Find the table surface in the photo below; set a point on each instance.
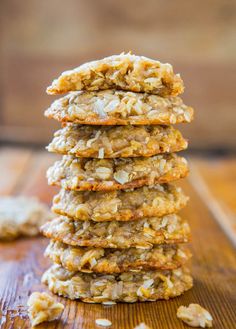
(211, 213)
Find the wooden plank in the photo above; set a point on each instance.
(214, 271)
(215, 182)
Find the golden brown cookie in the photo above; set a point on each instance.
(83, 174)
(116, 141)
(126, 287)
(155, 201)
(125, 72)
(117, 107)
(142, 233)
(100, 260)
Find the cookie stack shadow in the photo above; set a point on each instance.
(118, 236)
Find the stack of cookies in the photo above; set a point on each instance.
(118, 236)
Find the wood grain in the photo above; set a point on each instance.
(214, 271)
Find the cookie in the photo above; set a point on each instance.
(21, 216)
(116, 107)
(155, 201)
(126, 287)
(85, 174)
(100, 260)
(116, 141)
(142, 233)
(125, 72)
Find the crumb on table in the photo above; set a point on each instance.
(195, 316)
(43, 307)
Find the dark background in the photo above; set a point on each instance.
(40, 39)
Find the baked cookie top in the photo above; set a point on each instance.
(125, 72)
(21, 216)
(153, 201)
(125, 287)
(102, 260)
(142, 233)
(116, 141)
(83, 174)
(117, 107)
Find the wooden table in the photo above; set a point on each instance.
(211, 187)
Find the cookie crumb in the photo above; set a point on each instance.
(42, 307)
(195, 316)
(21, 216)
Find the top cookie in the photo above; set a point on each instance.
(125, 72)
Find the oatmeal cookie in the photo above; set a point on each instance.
(81, 174)
(155, 201)
(125, 72)
(21, 216)
(116, 107)
(116, 141)
(126, 287)
(100, 260)
(142, 233)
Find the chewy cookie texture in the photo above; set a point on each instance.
(142, 233)
(146, 201)
(125, 71)
(118, 237)
(116, 107)
(83, 174)
(107, 260)
(116, 141)
(126, 287)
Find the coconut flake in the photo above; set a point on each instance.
(146, 224)
(181, 254)
(143, 247)
(121, 176)
(187, 116)
(138, 107)
(93, 262)
(112, 105)
(103, 172)
(153, 81)
(148, 283)
(90, 141)
(101, 153)
(99, 108)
